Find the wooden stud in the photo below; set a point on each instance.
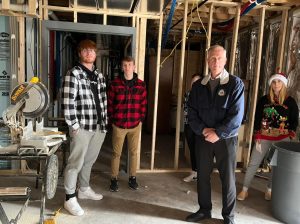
(179, 93)
(105, 14)
(40, 9)
(133, 21)
(138, 34)
(45, 11)
(5, 4)
(273, 8)
(282, 39)
(142, 47)
(249, 130)
(21, 47)
(141, 66)
(208, 41)
(75, 11)
(137, 43)
(156, 91)
(234, 39)
(31, 7)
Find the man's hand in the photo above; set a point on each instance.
(207, 130)
(210, 135)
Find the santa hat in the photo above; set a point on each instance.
(281, 76)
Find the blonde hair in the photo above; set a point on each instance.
(281, 97)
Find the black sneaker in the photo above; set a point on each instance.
(114, 187)
(132, 183)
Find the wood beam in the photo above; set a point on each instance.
(105, 15)
(249, 131)
(156, 92)
(234, 39)
(75, 11)
(32, 7)
(5, 4)
(180, 81)
(92, 10)
(282, 39)
(21, 47)
(45, 11)
(208, 41)
(232, 11)
(141, 67)
(295, 2)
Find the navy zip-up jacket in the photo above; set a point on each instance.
(222, 110)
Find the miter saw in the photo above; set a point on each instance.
(30, 139)
(29, 101)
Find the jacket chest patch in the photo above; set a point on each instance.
(221, 92)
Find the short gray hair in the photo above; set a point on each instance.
(215, 47)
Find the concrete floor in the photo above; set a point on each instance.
(162, 198)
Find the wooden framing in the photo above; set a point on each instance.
(5, 4)
(282, 38)
(180, 81)
(21, 58)
(208, 40)
(249, 130)
(234, 39)
(141, 46)
(156, 92)
(212, 11)
(105, 14)
(31, 7)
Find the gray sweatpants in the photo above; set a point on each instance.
(84, 150)
(258, 154)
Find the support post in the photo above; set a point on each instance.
(105, 14)
(208, 41)
(246, 153)
(21, 58)
(234, 39)
(282, 39)
(156, 91)
(180, 80)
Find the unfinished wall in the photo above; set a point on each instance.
(293, 60)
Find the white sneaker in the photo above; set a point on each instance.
(89, 194)
(73, 207)
(191, 177)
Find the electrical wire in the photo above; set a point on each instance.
(202, 23)
(181, 39)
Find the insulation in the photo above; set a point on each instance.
(252, 55)
(269, 66)
(294, 61)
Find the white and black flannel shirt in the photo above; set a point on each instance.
(78, 100)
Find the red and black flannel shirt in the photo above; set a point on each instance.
(127, 103)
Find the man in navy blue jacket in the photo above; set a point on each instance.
(216, 109)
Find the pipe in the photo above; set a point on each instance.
(199, 5)
(52, 15)
(168, 23)
(134, 5)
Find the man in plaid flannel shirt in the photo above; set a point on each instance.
(85, 110)
(127, 100)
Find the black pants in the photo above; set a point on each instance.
(225, 153)
(191, 141)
